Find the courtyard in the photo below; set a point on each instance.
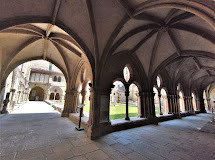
(35, 131)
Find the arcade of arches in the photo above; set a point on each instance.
(95, 40)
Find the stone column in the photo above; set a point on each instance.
(83, 94)
(160, 109)
(148, 107)
(173, 101)
(169, 97)
(139, 105)
(209, 103)
(99, 112)
(127, 95)
(70, 102)
(2, 92)
(191, 105)
(178, 106)
(197, 104)
(5, 102)
(186, 104)
(12, 101)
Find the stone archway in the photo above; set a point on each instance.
(57, 96)
(51, 96)
(36, 94)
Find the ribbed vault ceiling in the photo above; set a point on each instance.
(163, 39)
(39, 41)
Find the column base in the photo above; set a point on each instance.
(65, 115)
(4, 112)
(94, 132)
(192, 112)
(127, 118)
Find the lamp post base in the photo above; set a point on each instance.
(79, 128)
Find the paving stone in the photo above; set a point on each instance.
(96, 155)
(121, 148)
(77, 158)
(62, 147)
(44, 136)
(84, 149)
(60, 155)
(136, 156)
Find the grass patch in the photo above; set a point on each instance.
(118, 111)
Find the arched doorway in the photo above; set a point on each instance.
(36, 94)
(51, 96)
(57, 97)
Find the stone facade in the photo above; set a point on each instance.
(23, 80)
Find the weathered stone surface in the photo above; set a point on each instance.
(46, 136)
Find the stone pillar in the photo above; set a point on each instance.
(191, 104)
(202, 104)
(18, 97)
(174, 107)
(178, 106)
(170, 104)
(5, 102)
(186, 104)
(12, 101)
(2, 92)
(83, 94)
(139, 105)
(209, 103)
(148, 107)
(70, 102)
(126, 96)
(197, 104)
(99, 112)
(160, 109)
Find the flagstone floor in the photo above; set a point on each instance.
(37, 132)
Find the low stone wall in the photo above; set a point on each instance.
(74, 117)
(57, 107)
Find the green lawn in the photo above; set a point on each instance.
(118, 111)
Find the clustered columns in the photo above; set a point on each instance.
(99, 111)
(209, 103)
(173, 101)
(147, 103)
(70, 102)
(198, 104)
(127, 95)
(188, 104)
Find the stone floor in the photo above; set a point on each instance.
(36, 132)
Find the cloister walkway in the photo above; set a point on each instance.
(36, 132)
